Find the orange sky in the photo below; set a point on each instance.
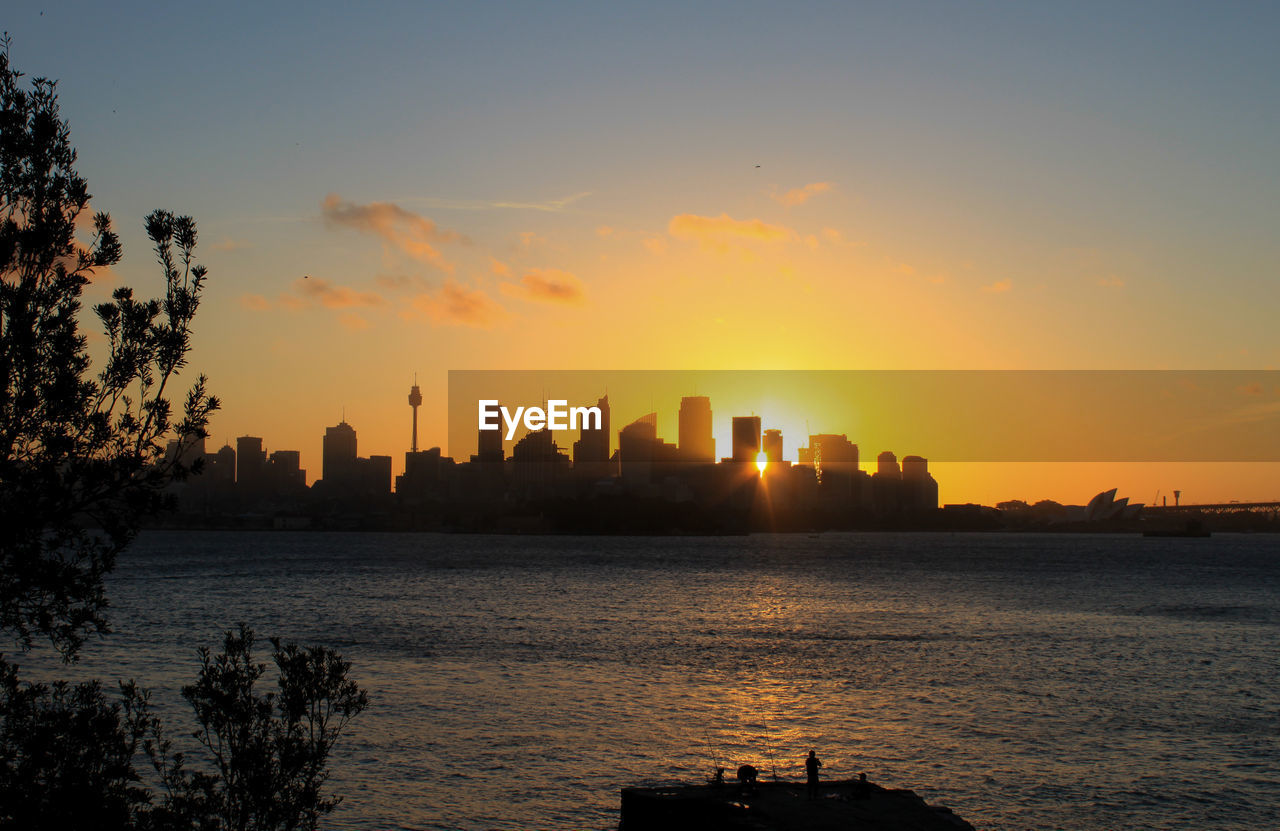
(855, 187)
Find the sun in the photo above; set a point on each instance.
(761, 461)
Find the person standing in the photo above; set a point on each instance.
(811, 766)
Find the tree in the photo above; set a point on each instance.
(81, 459)
(82, 465)
(269, 751)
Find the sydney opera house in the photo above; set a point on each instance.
(1105, 507)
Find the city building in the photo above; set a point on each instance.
(746, 439)
(696, 440)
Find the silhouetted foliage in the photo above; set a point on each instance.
(81, 459)
(268, 751)
(68, 755)
(82, 464)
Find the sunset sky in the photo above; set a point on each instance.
(723, 186)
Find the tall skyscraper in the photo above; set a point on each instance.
(746, 439)
(830, 453)
(772, 444)
(697, 444)
(415, 401)
(887, 465)
(489, 446)
(339, 456)
(591, 450)
(251, 464)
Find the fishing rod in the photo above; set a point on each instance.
(768, 743)
(715, 756)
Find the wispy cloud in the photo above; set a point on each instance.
(455, 304)
(998, 287)
(334, 297)
(1111, 282)
(550, 206)
(227, 245)
(400, 282)
(719, 233)
(798, 196)
(547, 285)
(353, 322)
(1254, 389)
(400, 229)
(255, 302)
(532, 239)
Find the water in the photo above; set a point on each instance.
(1026, 681)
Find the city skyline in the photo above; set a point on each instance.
(698, 432)
(871, 186)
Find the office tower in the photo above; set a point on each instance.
(697, 444)
(914, 467)
(284, 469)
(920, 488)
(489, 446)
(338, 463)
(887, 465)
(220, 467)
(636, 446)
(591, 450)
(830, 453)
(746, 438)
(251, 464)
(374, 476)
(772, 445)
(415, 401)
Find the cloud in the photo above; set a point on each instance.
(500, 268)
(656, 245)
(550, 206)
(353, 322)
(529, 239)
(227, 244)
(998, 287)
(455, 304)
(334, 297)
(604, 232)
(1111, 282)
(255, 302)
(400, 282)
(719, 233)
(798, 196)
(547, 285)
(1253, 389)
(401, 230)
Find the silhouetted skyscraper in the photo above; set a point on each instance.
(284, 469)
(591, 450)
(772, 445)
(887, 464)
(829, 454)
(746, 438)
(489, 446)
(251, 464)
(338, 465)
(697, 444)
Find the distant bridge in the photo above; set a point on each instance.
(1215, 509)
